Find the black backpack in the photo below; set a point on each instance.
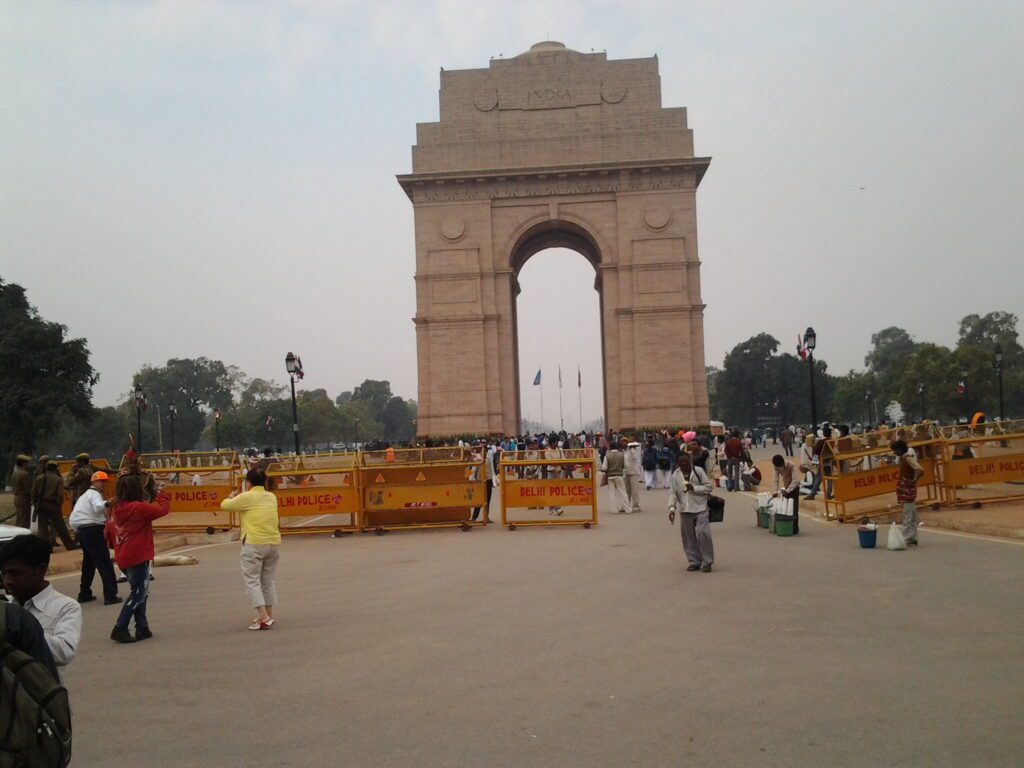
(35, 717)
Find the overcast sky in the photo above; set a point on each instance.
(217, 178)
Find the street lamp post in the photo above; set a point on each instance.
(355, 421)
(867, 404)
(967, 401)
(920, 394)
(172, 414)
(140, 398)
(216, 428)
(292, 364)
(810, 341)
(999, 374)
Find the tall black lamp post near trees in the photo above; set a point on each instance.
(998, 352)
(216, 428)
(172, 414)
(867, 404)
(810, 341)
(294, 366)
(967, 401)
(140, 403)
(920, 395)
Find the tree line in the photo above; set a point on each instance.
(759, 386)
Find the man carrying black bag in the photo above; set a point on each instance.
(689, 489)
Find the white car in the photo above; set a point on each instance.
(8, 532)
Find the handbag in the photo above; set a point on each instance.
(716, 509)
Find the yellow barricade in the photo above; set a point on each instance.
(549, 481)
(862, 471)
(983, 463)
(420, 488)
(196, 482)
(318, 493)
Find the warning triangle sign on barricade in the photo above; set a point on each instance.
(421, 477)
(380, 479)
(346, 479)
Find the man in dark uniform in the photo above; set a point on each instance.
(48, 495)
(132, 467)
(79, 478)
(22, 484)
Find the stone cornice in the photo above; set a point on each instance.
(636, 176)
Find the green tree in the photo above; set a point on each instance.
(194, 386)
(104, 433)
(891, 348)
(45, 377)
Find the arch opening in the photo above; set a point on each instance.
(557, 307)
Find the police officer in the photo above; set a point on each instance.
(48, 495)
(22, 485)
(79, 478)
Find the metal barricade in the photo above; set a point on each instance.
(196, 482)
(983, 463)
(421, 488)
(548, 480)
(862, 471)
(318, 493)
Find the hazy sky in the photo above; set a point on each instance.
(217, 178)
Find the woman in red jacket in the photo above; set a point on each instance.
(133, 550)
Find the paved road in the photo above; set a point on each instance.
(571, 648)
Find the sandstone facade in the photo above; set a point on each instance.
(556, 148)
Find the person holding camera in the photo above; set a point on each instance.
(689, 489)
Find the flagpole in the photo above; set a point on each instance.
(561, 418)
(541, 388)
(579, 387)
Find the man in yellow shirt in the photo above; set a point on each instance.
(261, 539)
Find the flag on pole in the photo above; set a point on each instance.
(801, 349)
(961, 387)
(536, 379)
(559, 376)
(298, 368)
(579, 378)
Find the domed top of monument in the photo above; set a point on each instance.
(546, 46)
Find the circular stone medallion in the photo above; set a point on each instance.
(613, 92)
(453, 228)
(656, 218)
(486, 100)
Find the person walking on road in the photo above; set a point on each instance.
(632, 475)
(261, 543)
(614, 469)
(89, 519)
(649, 462)
(21, 484)
(734, 456)
(48, 495)
(133, 549)
(690, 488)
(906, 490)
(787, 485)
(787, 438)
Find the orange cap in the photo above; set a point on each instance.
(99, 477)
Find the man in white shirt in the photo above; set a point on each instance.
(23, 563)
(690, 488)
(632, 475)
(88, 519)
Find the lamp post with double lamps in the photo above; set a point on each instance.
(140, 402)
(810, 342)
(291, 363)
(172, 414)
(998, 352)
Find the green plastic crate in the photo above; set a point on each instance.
(783, 526)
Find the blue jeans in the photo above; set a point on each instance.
(135, 605)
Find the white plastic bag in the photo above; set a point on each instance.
(896, 540)
(784, 506)
(763, 499)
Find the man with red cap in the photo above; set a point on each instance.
(88, 519)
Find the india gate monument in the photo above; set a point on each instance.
(555, 148)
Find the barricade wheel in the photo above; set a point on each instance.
(586, 525)
(337, 534)
(209, 530)
(379, 531)
(976, 505)
(511, 526)
(466, 527)
(936, 507)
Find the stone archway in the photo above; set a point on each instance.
(556, 148)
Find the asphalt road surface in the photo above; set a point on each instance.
(571, 647)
